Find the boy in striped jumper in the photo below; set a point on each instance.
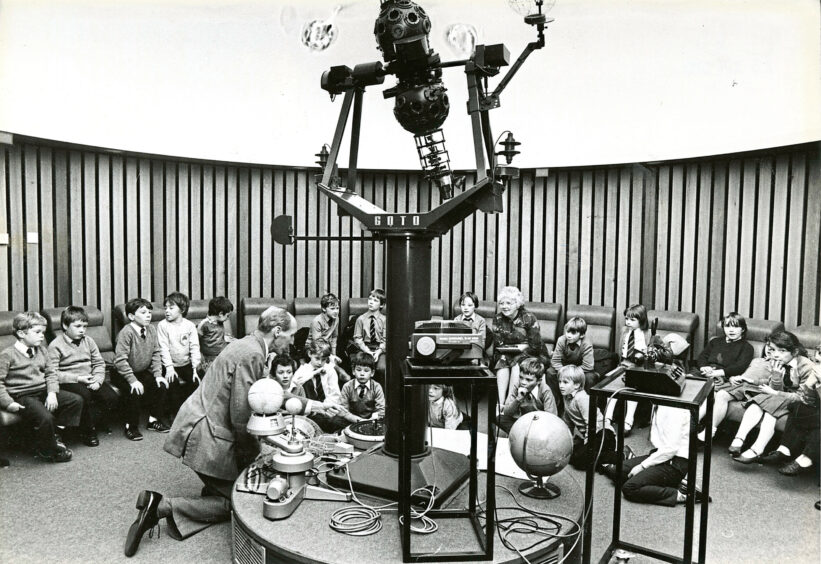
(137, 360)
(80, 369)
(29, 388)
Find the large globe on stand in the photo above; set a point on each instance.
(265, 396)
(540, 444)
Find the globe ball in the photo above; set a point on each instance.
(293, 406)
(265, 396)
(540, 443)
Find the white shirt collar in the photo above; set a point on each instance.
(136, 327)
(21, 347)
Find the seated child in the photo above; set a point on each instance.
(319, 380)
(787, 386)
(282, 370)
(801, 433)
(179, 351)
(740, 387)
(214, 332)
(29, 387)
(80, 369)
(656, 477)
(468, 302)
(635, 341)
(442, 410)
(139, 370)
(362, 397)
(572, 349)
(370, 332)
(325, 326)
(532, 394)
(577, 417)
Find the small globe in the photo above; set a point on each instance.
(540, 443)
(265, 396)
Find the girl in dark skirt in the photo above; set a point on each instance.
(785, 388)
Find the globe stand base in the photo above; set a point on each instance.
(540, 489)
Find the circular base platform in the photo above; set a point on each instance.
(305, 536)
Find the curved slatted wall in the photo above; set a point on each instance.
(739, 232)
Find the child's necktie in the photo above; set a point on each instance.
(631, 344)
(362, 390)
(373, 330)
(30, 352)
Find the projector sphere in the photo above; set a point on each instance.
(265, 396)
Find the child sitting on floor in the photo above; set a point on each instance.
(282, 370)
(29, 387)
(80, 369)
(179, 350)
(577, 417)
(532, 394)
(214, 332)
(320, 381)
(139, 370)
(442, 410)
(362, 397)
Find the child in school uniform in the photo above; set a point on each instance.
(531, 394)
(370, 332)
(29, 387)
(799, 447)
(80, 369)
(325, 326)
(139, 370)
(635, 341)
(442, 410)
(734, 386)
(214, 332)
(577, 417)
(283, 368)
(468, 302)
(320, 381)
(179, 350)
(573, 348)
(361, 398)
(786, 387)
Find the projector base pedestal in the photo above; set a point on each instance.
(377, 473)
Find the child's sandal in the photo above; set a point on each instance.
(736, 450)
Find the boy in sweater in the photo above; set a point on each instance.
(80, 369)
(572, 349)
(29, 388)
(137, 360)
(531, 395)
(179, 350)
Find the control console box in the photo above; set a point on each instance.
(662, 379)
(445, 342)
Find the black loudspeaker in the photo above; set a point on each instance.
(661, 379)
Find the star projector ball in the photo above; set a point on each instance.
(540, 444)
(265, 396)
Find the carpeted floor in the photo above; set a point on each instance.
(80, 511)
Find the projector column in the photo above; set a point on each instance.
(407, 286)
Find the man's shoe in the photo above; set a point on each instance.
(62, 454)
(158, 426)
(89, 438)
(147, 503)
(133, 434)
(774, 457)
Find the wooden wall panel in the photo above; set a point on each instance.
(734, 233)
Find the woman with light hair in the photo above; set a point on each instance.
(516, 336)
